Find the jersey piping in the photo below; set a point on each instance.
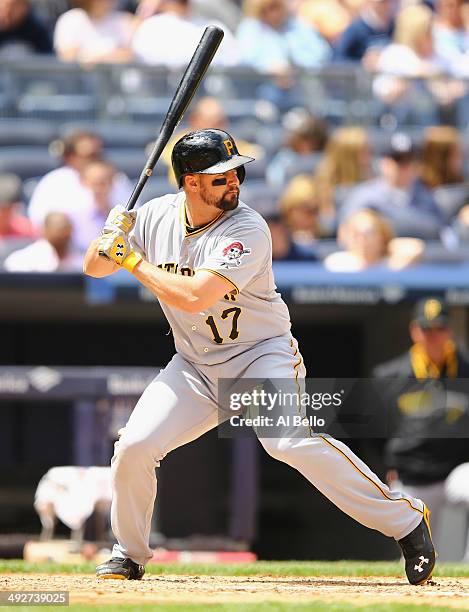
(193, 231)
(383, 493)
(221, 275)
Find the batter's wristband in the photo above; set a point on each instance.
(131, 261)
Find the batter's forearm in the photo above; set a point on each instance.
(173, 289)
(95, 265)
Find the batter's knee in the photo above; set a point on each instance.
(133, 452)
(279, 448)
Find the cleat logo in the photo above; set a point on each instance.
(418, 566)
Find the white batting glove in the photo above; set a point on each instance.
(119, 219)
(115, 246)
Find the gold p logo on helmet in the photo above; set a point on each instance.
(431, 309)
(229, 145)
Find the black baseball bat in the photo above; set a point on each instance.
(189, 84)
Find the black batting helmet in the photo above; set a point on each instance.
(207, 152)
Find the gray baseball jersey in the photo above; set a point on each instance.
(235, 245)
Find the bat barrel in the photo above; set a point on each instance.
(189, 84)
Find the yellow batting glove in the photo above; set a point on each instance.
(115, 246)
(119, 218)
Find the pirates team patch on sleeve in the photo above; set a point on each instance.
(233, 254)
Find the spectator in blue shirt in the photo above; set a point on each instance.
(399, 194)
(368, 33)
(273, 41)
(21, 31)
(283, 248)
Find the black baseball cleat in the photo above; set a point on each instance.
(419, 552)
(120, 569)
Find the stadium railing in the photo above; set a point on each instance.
(45, 88)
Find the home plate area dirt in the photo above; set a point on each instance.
(85, 588)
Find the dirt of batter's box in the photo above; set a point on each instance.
(85, 588)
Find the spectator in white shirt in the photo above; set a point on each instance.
(411, 80)
(368, 241)
(451, 36)
(51, 253)
(170, 37)
(60, 189)
(94, 32)
(412, 54)
(223, 10)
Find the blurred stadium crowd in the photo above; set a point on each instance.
(356, 111)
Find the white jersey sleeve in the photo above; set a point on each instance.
(240, 256)
(138, 233)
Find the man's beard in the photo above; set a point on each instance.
(224, 203)
(231, 204)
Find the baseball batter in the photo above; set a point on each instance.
(207, 257)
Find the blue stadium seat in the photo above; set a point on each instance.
(256, 169)
(15, 133)
(325, 247)
(450, 198)
(333, 93)
(7, 96)
(306, 164)
(240, 109)
(131, 161)
(49, 10)
(29, 185)
(436, 252)
(270, 136)
(259, 196)
(45, 88)
(155, 188)
(115, 134)
(57, 107)
(46, 76)
(139, 80)
(27, 162)
(241, 84)
(246, 129)
(150, 110)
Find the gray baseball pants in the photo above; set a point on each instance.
(180, 405)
